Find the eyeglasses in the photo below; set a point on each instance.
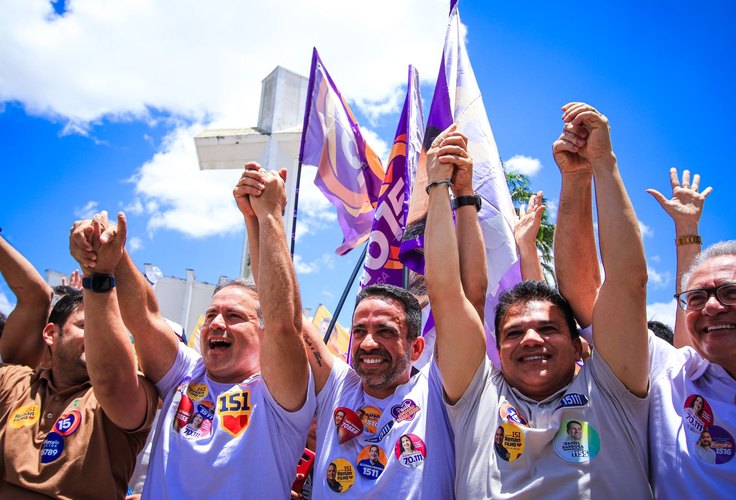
(695, 300)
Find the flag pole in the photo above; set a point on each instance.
(305, 126)
(345, 292)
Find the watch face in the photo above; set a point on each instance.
(99, 282)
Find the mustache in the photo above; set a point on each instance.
(373, 352)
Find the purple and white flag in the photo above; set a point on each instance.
(382, 263)
(349, 173)
(457, 99)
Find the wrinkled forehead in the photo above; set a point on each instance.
(713, 272)
(385, 308)
(235, 297)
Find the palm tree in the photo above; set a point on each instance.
(520, 189)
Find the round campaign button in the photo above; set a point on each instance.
(698, 414)
(577, 441)
(508, 441)
(410, 451)
(52, 447)
(371, 462)
(68, 423)
(347, 423)
(715, 445)
(370, 415)
(340, 475)
(509, 413)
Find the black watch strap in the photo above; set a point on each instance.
(462, 201)
(99, 282)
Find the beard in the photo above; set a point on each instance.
(389, 376)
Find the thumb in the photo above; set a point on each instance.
(658, 196)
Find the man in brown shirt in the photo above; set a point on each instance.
(59, 437)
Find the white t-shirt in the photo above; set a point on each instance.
(217, 440)
(400, 448)
(681, 381)
(588, 440)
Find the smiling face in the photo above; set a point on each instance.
(230, 335)
(536, 348)
(373, 453)
(381, 353)
(575, 430)
(705, 439)
(331, 472)
(406, 444)
(713, 328)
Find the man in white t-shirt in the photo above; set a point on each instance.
(235, 418)
(511, 427)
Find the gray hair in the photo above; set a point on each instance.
(716, 250)
(249, 287)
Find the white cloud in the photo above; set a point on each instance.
(196, 66)
(659, 279)
(521, 164)
(324, 262)
(134, 243)
(87, 211)
(5, 304)
(646, 231)
(378, 145)
(552, 208)
(106, 58)
(663, 311)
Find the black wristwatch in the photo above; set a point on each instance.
(462, 201)
(99, 282)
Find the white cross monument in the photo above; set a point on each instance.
(274, 143)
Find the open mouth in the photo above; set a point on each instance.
(714, 328)
(534, 358)
(373, 361)
(219, 344)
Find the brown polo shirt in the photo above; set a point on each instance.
(60, 443)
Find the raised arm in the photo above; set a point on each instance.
(21, 342)
(525, 234)
(461, 341)
(473, 265)
(576, 258)
(283, 359)
(619, 315)
(251, 183)
(685, 208)
(107, 347)
(155, 343)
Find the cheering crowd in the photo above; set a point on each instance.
(586, 402)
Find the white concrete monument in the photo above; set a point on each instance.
(274, 143)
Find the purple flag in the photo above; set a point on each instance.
(382, 263)
(457, 99)
(348, 171)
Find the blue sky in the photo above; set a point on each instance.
(99, 101)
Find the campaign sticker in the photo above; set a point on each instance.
(52, 448)
(509, 413)
(371, 462)
(407, 410)
(183, 412)
(572, 400)
(25, 415)
(715, 445)
(384, 430)
(347, 424)
(340, 475)
(698, 414)
(200, 423)
(410, 451)
(577, 441)
(234, 410)
(68, 423)
(370, 415)
(197, 391)
(508, 441)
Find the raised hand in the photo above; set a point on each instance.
(251, 182)
(686, 205)
(529, 221)
(585, 140)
